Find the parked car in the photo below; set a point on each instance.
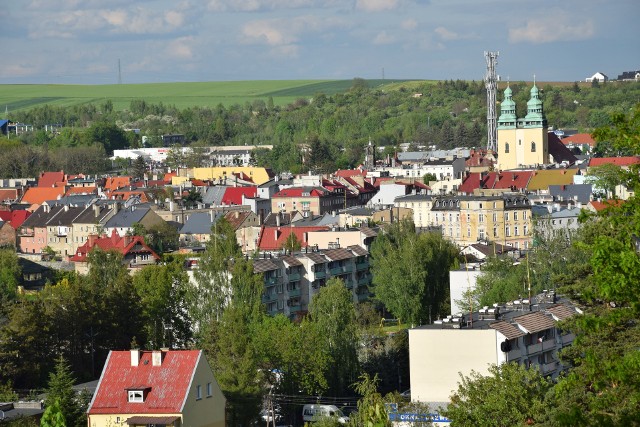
(313, 412)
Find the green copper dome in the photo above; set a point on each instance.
(507, 110)
(535, 113)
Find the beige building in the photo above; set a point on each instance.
(329, 239)
(420, 204)
(522, 331)
(522, 142)
(504, 219)
(256, 174)
(157, 388)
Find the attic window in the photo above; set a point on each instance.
(136, 396)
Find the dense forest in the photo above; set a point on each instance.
(330, 130)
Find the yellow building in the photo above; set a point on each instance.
(162, 387)
(257, 175)
(522, 142)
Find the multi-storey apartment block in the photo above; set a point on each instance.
(291, 281)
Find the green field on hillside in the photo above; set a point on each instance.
(182, 95)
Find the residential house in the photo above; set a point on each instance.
(308, 200)
(123, 221)
(91, 221)
(555, 219)
(576, 193)
(135, 253)
(60, 236)
(34, 276)
(172, 388)
(582, 141)
(336, 237)
(10, 222)
(33, 235)
(524, 331)
(629, 76)
(52, 179)
(542, 179)
(234, 195)
(197, 229)
(388, 192)
(597, 77)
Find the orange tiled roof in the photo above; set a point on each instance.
(579, 138)
(80, 190)
(115, 182)
(38, 195)
(51, 179)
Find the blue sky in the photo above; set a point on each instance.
(76, 41)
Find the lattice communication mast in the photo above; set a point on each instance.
(491, 83)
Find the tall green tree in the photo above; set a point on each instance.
(333, 314)
(411, 272)
(510, 395)
(60, 391)
(162, 291)
(53, 416)
(139, 167)
(210, 294)
(9, 276)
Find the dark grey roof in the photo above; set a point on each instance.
(127, 217)
(358, 250)
(262, 265)
(15, 410)
(411, 197)
(42, 216)
(66, 216)
(316, 257)
(338, 254)
(291, 261)
(88, 216)
(368, 232)
(359, 211)
(199, 223)
(573, 192)
(74, 200)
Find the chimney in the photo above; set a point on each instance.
(237, 214)
(212, 215)
(92, 239)
(96, 210)
(171, 206)
(127, 240)
(135, 355)
(278, 219)
(156, 357)
(277, 234)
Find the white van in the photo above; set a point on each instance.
(313, 412)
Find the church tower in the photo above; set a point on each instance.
(523, 142)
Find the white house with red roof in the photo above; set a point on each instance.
(157, 388)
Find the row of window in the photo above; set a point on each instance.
(533, 147)
(199, 391)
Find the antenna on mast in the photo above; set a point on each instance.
(491, 84)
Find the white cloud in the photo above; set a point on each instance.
(409, 24)
(280, 32)
(383, 38)
(446, 34)
(376, 5)
(181, 48)
(261, 5)
(546, 30)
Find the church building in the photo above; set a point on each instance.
(522, 143)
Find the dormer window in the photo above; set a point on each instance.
(136, 396)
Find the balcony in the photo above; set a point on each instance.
(534, 348)
(295, 308)
(321, 274)
(362, 265)
(348, 283)
(347, 268)
(336, 271)
(547, 368)
(294, 277)
(269, 298)
(567, 339)
(548, 345)
(270, 281)
(514, 355)
(293, 293)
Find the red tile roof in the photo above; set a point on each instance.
(579, 138)
(124, 245)
(168, 176)
(168, 383)
(38, 195)
(80, 190)
(599, 206)
(18, 217)
(51, 179)
(115, 182)
(618, 161)
(233, 195)
(273, 238)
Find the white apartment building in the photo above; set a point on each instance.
(522, 331)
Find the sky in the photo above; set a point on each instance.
(150, 41)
